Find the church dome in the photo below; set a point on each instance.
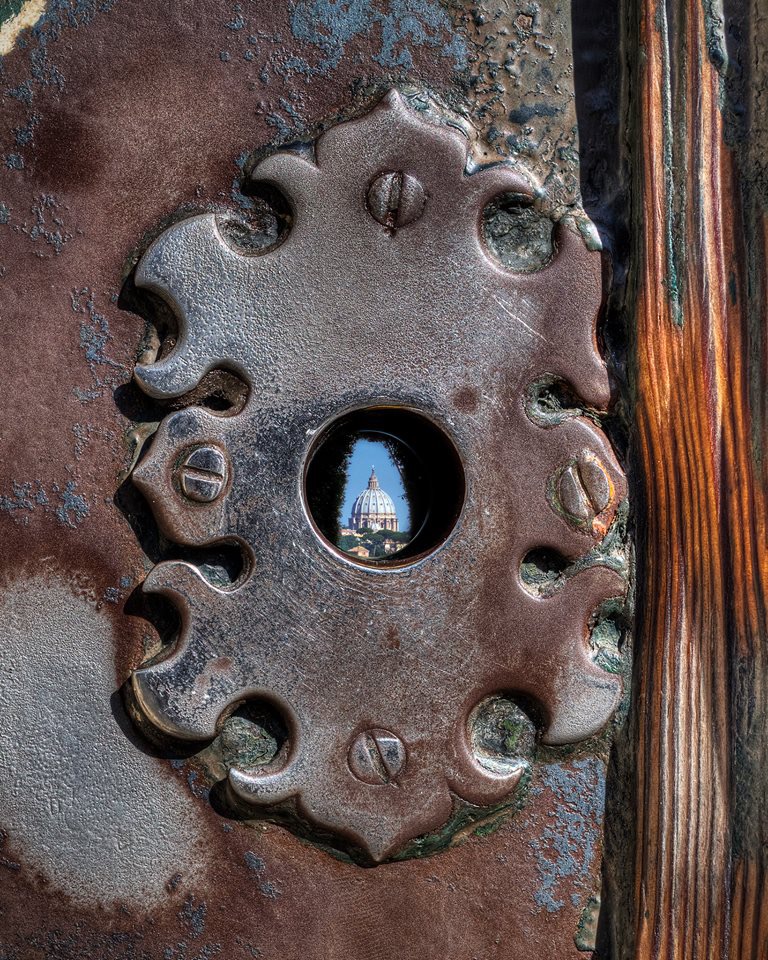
(373, 508)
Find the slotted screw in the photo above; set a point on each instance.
(376, 756)
(396, 199)
(203, 474)
(584, 490)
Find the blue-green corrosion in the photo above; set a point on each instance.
(257, 866)
(323, 31)
(511, 78)
(509, 71)
(737, 46)
(329, 25)
(567, 844)
(719, 28)
(61, 500)
(106, 373)
(9, 8)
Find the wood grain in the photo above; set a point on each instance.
(699, 380)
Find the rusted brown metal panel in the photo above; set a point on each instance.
(119, 119)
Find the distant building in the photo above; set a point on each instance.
(373, 509)
(359, 551)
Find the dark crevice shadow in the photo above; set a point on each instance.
(599, 77)
(601, 90)
(150, 746)
(602, 71)
(221, 391)
(739, 70)
(224, 563)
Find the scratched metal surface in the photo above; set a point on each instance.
(117, 118)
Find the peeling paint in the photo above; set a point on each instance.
(23, 500)
(27, 16)
(73, 507)
(47, 21)
(47, 225)
(521, 66)
(257, 866)
(568, 843)
(321, 34)
(329, 26)
(23, 135)
(94, 339)
(61, 500)
(278, 93)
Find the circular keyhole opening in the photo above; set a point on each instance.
(255, 736)
(384, 486)
(518, 235)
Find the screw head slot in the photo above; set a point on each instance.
(376, 756)
(203, 474)
(396, 199)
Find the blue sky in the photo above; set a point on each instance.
(367, 453)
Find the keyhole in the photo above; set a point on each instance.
(384, 486)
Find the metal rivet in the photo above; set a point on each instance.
(203, 474)
(396, 199)
(376, 756)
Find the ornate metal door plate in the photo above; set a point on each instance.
(379, 672)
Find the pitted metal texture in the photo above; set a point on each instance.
(385, 246)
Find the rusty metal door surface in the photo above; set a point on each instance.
(500, 696)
